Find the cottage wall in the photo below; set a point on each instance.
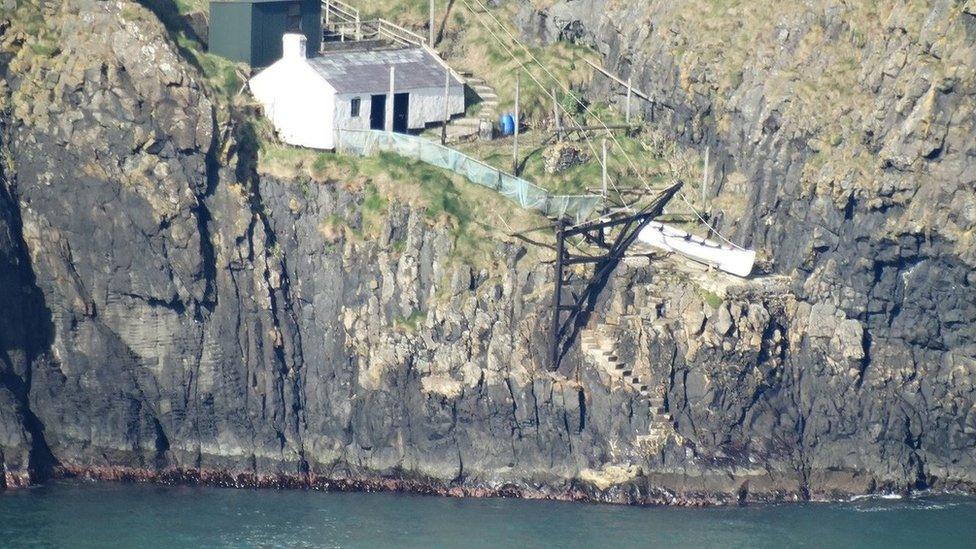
(343, 108)
(299, 103)
(426, 106)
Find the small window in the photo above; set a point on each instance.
(294, 17)
(354, 107)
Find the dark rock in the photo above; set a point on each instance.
(173, 315)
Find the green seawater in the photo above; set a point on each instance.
(77, 514)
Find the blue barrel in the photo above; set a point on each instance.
(507, 124)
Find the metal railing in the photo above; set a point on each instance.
(339, 18)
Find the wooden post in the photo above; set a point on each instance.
(431, 24)
(389, 101)
(328, 8)
(705, 176)
(557, 296)
(630, 91)
(555, 115)
(517, 123)
(447, 100)
(604, 187)
(359, 34)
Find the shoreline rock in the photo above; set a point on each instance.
(617, 495)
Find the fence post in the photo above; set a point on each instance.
(431, 25)
(359, 33)
(447, 99)
(517, 124)
(705, 176)
(630, 91)
(389, 101)
(328, 8)
(604, 166)
(555, 115)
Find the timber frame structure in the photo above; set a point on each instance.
(569, 318)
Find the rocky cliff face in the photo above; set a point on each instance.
(844, 144)
(173, 314)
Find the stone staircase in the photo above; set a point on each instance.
(600, 347)
(481, 122)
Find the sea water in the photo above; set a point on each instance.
(81, 514)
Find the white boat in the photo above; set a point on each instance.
(736, 261)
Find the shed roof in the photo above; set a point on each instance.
(368, 71)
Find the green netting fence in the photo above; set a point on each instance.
(520, 191)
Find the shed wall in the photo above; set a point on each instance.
(270, 23)
(250, 32)
(230, 31)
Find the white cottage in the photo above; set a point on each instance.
(307, 99)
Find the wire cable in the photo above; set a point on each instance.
(587, 109)
(544, 89)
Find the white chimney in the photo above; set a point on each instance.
(293, 46)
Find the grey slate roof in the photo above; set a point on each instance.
(368, 71)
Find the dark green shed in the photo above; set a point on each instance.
(251, 30)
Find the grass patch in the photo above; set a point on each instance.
(192, 6)
(221, 75)
(410, 322)
(710, 298)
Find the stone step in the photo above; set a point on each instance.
(466, 122)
